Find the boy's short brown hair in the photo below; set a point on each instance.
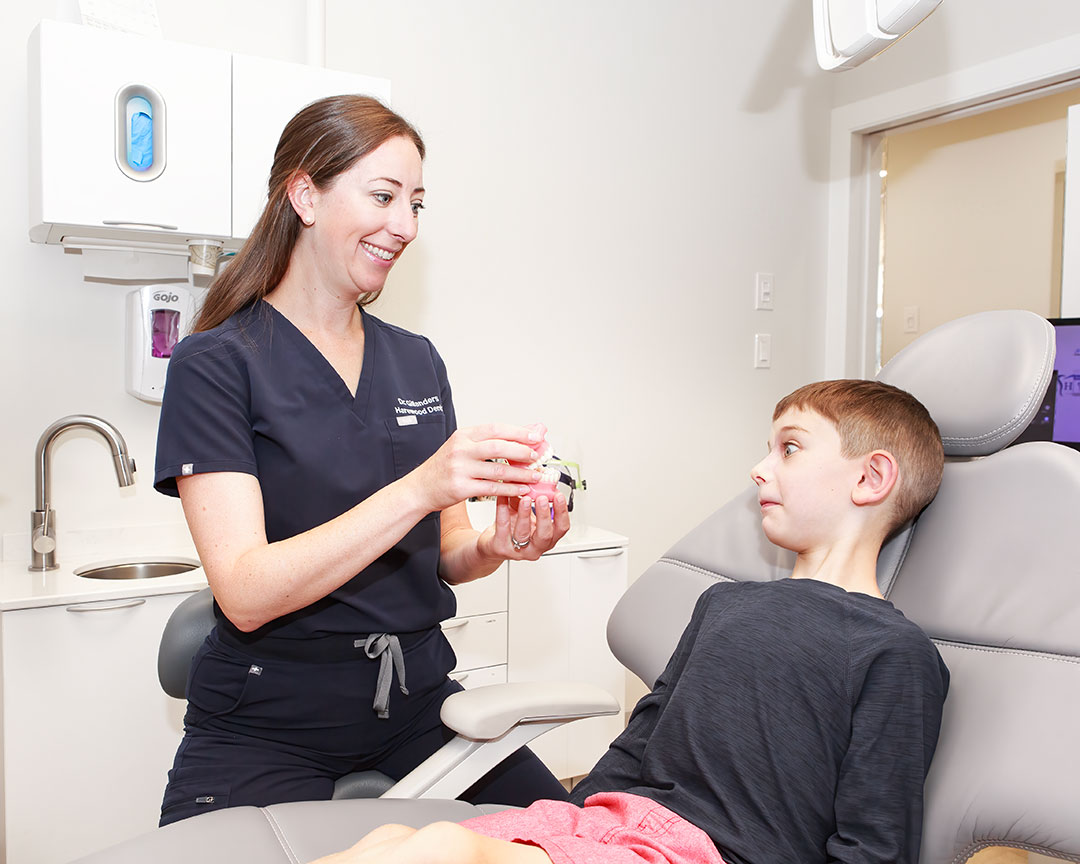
(870, 415)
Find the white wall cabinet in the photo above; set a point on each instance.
(221, 119)
(75, 74)
(88, 734)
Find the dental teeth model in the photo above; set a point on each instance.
(549, 474)
(552, 471)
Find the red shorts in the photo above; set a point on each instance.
(612, 828)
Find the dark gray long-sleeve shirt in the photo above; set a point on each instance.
(795, 722)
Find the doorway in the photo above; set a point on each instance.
(972, 209)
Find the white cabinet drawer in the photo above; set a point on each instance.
(470, 678)
(81, 702)
(562, 602)
(479, 640)
(482, 596)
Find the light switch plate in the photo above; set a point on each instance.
(763, 291)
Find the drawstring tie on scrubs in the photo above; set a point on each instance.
(387, 648)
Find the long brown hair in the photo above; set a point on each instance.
(323, 141)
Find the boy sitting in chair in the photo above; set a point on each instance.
(796, 720)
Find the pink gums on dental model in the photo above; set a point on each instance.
(549, 474)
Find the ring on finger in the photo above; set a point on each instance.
(520, 544)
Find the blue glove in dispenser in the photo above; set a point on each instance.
(140, 132)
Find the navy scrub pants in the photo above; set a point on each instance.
(263, 730)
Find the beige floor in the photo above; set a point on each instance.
(1001, 855)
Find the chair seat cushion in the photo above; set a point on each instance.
(279, 834)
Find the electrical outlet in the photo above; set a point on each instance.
(762, 350)
(911, 319)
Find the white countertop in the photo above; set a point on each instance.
(21, 589)
(586, 537)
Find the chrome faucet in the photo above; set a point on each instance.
(42, 517)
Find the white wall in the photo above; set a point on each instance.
(604, 180)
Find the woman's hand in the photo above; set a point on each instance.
(524, 530)
(463, 467)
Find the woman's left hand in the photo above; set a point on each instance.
(519, 533)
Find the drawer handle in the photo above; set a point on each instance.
(454, 626)
(459, 676)
(122, 222)
(122, 604)
(602, 553)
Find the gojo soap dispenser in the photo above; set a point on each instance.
(158, 316)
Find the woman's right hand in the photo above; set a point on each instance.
(463, 467)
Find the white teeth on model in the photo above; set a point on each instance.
(548, 473)
(377, 252)
(546, 454)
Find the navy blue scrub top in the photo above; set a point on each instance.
(254, 395)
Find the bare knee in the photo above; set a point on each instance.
(450, 843)
(382, 840)
(383, 833)
(446, 843)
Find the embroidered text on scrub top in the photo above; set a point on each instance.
(419, 407)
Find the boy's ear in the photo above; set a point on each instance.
(301, 191)
(879, 476)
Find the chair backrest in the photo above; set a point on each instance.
(989, 571)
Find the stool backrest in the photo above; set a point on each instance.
(187, 627)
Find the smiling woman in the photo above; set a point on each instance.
(328, 510)
(358, 226)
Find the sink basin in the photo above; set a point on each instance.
(138, 569)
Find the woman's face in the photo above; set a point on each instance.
(364, 220)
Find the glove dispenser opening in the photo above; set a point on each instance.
(140, 132)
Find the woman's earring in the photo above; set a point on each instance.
(308, 220)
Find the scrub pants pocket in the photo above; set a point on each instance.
(219, 685)
(193, 797)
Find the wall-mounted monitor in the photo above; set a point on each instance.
(1058, 419)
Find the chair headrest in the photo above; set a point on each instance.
(982, 377)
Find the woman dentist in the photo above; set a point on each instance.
(316, 453)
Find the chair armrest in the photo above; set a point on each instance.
(489, 712)
(492, 723)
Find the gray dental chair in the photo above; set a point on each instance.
(990, 571)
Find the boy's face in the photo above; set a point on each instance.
(804, 484)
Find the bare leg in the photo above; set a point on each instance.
(385, 834)
(438, 843)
